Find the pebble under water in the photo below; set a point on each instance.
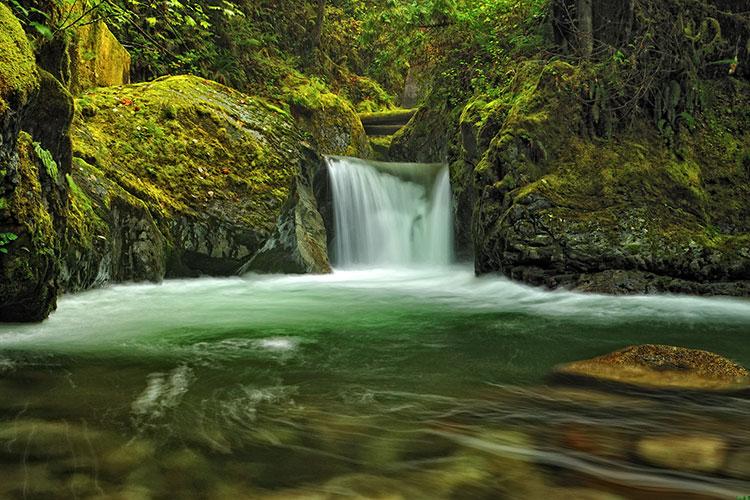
(397, 383)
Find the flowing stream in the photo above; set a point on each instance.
(400, 375)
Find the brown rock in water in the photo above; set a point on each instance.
(659, 367)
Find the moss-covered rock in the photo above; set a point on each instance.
(424, 138)
(190, 175)
(330, 119)
(29, 263)
(48, 117)
(97, 59)
(299, 244)
(18, 75)
(30, 195)
(556, 207)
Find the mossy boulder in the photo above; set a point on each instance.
(556, 206)
(190, 175)
(18, 74)
(424, 138)
(330, 120)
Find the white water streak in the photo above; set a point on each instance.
(395, 214)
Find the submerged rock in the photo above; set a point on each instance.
(659, 367)
(690, 453)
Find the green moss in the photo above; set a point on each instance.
(226, 152)
(18, 73)
(329, 118)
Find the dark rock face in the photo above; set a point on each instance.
(29, 286)
(658, 367)
(299, 245)
(32, 194)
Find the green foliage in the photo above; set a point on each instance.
(467, 46)
(50, 166)
(5, 240)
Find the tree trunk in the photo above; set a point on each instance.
(585, 27)
(318, 29)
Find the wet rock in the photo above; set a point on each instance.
(658, 367)
(369, 487)
(463, 475)
(680, 452)
(738, 465)
(581, 494)
(229, 491)
(39, 439)
(595, 440)
(187, 470)
(299, 244)
(82, 485)
(119, 461)
(28, 481)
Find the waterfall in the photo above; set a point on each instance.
(390, 214)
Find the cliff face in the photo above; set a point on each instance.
(31, 199)
(626, 215)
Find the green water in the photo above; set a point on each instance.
(378, 383)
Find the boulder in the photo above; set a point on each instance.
(299, 244)
(330, 120)
(658, 367)
(182, 177)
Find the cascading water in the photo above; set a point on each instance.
(390, 214)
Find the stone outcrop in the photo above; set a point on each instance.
(554, 207)
(183, 177)
(658, 367)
